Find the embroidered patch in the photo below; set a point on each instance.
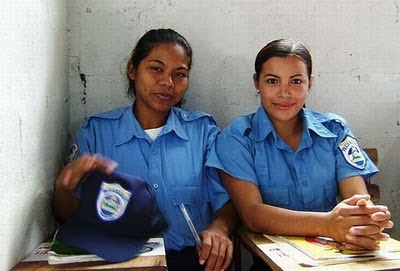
(112, 201)
(73, 154)
(352, 152)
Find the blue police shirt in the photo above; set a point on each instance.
(306, 179)
(173, 164)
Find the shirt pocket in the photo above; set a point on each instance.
(276, 196)
(321, 198)
(188, 195)
(196, 202)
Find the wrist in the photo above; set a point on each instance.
(324, 225)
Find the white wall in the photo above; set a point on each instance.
(355, 46)
(34, 120)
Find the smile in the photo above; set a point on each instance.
(164, 96)
(283, 106)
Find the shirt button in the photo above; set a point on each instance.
(154, 152)
(305, 183)
(155, 186)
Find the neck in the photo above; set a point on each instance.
(290, 131)
(149, 119)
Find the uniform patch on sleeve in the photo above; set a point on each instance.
(73, 154)
(352, 152)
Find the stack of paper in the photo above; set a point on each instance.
(60, 253)
(314, 251)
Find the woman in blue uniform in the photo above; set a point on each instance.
(284, 165)
(163, 144)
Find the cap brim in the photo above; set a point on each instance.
(111, 247)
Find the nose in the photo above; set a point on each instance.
(285, 91)
(166, 80)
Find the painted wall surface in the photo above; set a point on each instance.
(34, 120)
(355, 47)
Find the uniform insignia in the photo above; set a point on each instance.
(112, 201)
(352, 152)
(73, 154)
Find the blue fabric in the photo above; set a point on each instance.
(173, 164)
(306, 179)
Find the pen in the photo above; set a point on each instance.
(190, 224)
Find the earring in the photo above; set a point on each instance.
(307, 92)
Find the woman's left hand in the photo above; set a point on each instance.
(216, 251)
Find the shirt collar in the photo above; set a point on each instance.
(174, 124)
(262, 125)
(310, 122)
(130, 127)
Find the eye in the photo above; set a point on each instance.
(271, 81)
(155, 68)
(297, 81)
(181, 74)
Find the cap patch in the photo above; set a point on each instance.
(73, 154)
(352, 152)
(112, 201)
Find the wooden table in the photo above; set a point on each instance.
(150, 263)
(252, 241)
(140, 263)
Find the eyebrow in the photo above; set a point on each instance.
(273, 75)
(183, 67)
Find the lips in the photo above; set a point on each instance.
(164, 96)
(283, 106)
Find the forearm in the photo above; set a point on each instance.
(65, 203)
(274, 220)
(226, 219)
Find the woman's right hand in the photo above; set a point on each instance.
(350, 213)
(74, 173)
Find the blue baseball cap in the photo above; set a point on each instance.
(116, 216)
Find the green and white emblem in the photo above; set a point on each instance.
(352, 152)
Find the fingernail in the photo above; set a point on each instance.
(352, 231)
(111, 167)
(202, 262)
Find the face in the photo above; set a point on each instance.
(283, 86)
(162, 78)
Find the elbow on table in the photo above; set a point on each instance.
(252, 222)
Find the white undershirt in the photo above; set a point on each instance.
(153, 133)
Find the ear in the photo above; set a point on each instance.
(131, 71)
(255, 81)
(310, 82)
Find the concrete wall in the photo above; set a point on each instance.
(355, 46)
(34, 120)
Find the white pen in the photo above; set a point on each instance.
(190, 224)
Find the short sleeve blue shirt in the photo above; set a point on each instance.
(173, 164)
(306, 179)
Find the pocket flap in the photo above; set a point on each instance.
(191, 195)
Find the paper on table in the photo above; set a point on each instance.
(40, 253)
(296, 249)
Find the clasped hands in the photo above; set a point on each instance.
(358, 223)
